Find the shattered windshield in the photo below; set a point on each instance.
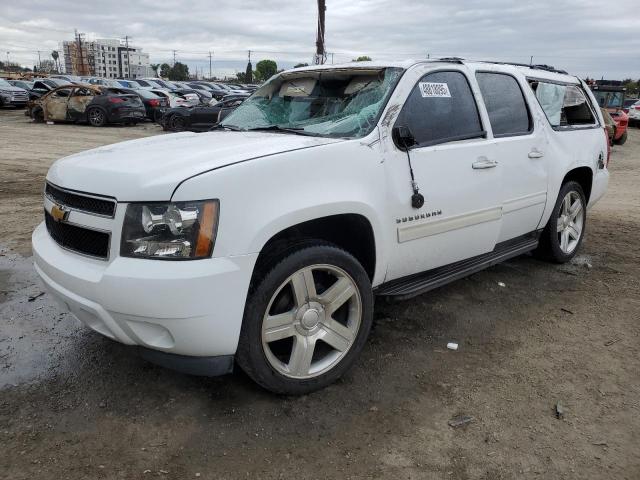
(343, 102)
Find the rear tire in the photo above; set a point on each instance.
(563, 234)
(97, 117)
(622, 140)
(305, 321)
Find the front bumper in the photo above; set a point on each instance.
(12, 101)
(190, 308)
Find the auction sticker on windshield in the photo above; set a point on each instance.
(430, 89)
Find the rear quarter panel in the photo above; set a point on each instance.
(570, 149)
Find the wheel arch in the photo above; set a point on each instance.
(583, 176)
(352, 232)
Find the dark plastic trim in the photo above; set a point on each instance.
(200, 366)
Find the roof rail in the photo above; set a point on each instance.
(547, 68)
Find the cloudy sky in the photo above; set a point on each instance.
(586, 37)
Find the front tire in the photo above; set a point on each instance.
(562, 237)
(306, 321)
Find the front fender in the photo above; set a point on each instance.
(261, 197)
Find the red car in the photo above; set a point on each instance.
(611, 97)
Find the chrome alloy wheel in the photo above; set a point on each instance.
(311, 322)
(570, 222)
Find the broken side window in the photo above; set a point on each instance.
(566, 106)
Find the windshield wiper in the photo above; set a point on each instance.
(278, 128)
(228, 127)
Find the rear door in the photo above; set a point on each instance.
(520, 151)
(455, 169)
(80, 98)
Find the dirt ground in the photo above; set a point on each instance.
(74, 405)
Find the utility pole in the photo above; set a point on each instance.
(321, 54)
(81, 69)
(531, 61)
(126, 40)
(174, 58)
(39, 62)
(210, 74)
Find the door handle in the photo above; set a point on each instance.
(536, 154)
(483, 163)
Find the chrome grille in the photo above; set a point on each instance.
(19, 96)
(96, 205)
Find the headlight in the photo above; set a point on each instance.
(178, 231)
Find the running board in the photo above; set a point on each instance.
(412, 285)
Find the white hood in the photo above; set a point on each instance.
(150, 168)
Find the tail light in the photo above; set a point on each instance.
(154, 102)
(116, 100)
(637, 107)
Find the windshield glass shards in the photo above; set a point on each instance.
(343, 102)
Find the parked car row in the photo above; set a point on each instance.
(99, 101)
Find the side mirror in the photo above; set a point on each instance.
(403, 137)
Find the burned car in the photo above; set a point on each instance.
(201, 118)
(95, 104)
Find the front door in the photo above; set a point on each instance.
(455, 169)
(55, 105)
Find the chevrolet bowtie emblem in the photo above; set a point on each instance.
(59, 213)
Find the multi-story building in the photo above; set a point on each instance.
(107, 58)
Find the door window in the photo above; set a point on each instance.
(506, 106)
(62, 93)
(441, 108)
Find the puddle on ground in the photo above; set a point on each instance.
(34, 331)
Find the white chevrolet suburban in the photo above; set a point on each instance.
(264, 241)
